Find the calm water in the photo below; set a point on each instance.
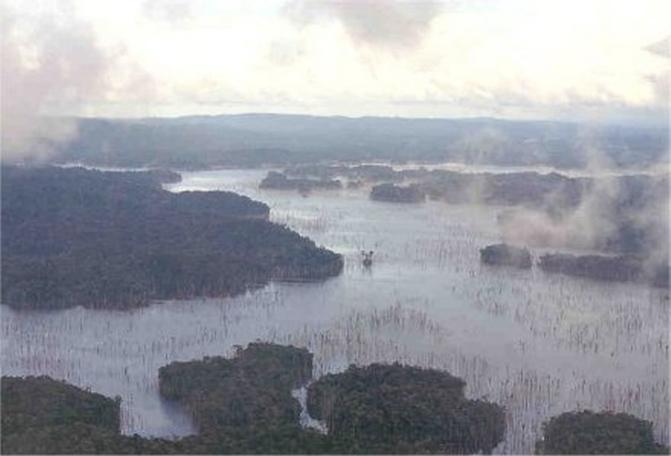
(538, 344)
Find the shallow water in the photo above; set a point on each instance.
(538, 344)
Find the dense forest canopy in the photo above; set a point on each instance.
(244, 405)
(587, 432)
(80, 237)
(240, 405)
(279, 181)
(41, 415)
(262, 377)
(627, 215)
(506, 255)
(397, 193)
(279, 139)
(387, 409)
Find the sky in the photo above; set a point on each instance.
(589, 59)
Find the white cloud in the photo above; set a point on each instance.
(512, 58)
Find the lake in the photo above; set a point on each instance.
(539, 344)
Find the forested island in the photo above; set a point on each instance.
(387, 409)
(396, 194)
(252, 389)
(117, 239)
(623, 219)
(243, 405)
(514, 188)
(363, 172)
(41, 415)
(506, 255)
(279, 181)
(614, 268)
(587, 432)
(620, 268)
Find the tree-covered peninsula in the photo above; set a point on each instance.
(117, 239)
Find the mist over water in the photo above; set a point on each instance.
(591, 171)
(538, 344)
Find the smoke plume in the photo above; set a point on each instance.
(50, 63)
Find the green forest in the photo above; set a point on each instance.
(243, 405)
(117, 239)
(389, 409)
(587, 432)
(253, 140)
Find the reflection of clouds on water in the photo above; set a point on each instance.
(539, 344)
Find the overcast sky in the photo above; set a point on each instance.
(598, 60)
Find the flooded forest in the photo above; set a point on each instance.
(335, 227)
(536, 343)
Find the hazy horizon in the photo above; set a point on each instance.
(594, 62)
(656, 122)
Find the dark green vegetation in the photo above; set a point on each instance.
(615, 268)
(397, 194)
(262, 376)
(256, 139)
(588, 432)
(627, 216)
(369, 173)
(279, 181)
(620, 268)
(506, 189)
(401, 409)
(244, 405)
(78, 237)
(523, 188)
(506, 255)
(45, 416)
(40, 414)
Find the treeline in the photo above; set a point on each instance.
(276, 139)
(529, 189)
(397, 193)
(80, 237)
(509, 189)
(587, 432)
(618, 268)
(279, 181)
(244, 405)
(387, 409)
(626, 215)
(45, 416)
(506, 255)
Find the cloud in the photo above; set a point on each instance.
(51, 62)
(389, 24)
(516, 58)
(661, 48)
(171, 11)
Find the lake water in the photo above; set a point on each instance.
(538, 344)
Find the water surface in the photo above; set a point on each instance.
(538, 344)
